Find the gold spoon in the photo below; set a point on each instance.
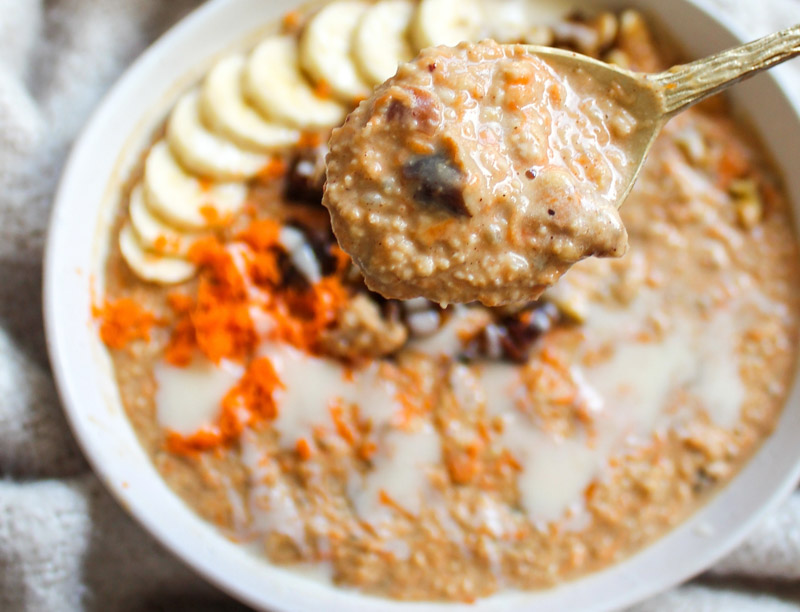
(658, 97)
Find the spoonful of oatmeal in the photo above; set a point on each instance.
(484, 171)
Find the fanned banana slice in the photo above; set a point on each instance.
(447, 22)
(227, 112)
(325, 49)
(381, 39)
(154, 234)
(183, 199)
(204, 152)
(274, 83)
(151, 267)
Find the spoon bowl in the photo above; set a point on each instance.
(644, 100)
(654, 98)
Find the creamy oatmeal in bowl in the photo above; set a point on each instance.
(412, 451)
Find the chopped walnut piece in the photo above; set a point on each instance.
(749, 207)
(361, 331)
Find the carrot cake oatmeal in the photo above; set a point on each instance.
(481, 172)
(419, 452)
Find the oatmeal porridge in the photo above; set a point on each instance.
(481, 172)
(419, 452)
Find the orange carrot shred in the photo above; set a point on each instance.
(303, 449)
(384, 498)
(249, 402)
(322, 89)
(123, 321)
(367, 450)
(342, 428)
(309, 140)
(210, 214)
(275, 168)
(261, 235)
(462, 468)
(291, 20)
(180, 302)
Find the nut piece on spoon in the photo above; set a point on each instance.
(484, 171)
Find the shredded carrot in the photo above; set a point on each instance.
(217, 323)
(223, 328)
(437, 231)
(367, 450)
(474, 448)
(322, 89)
(249, 402)
(342, 258)
(462, 467)
(261, 235)
(339, 422)
(123, 321)
(254, 391)
(310, 140)
(212, 216)
(302, 316)
(556, 94)
(291, 20)
(484, 432)
(348, 373)
(519, 79)
(180, 302)
(552, 358)
(180, 348)
(263, 238)
(182, 342)
(413, 398)
(303, 449)
(190, 445)
(275, 168)
(510, 460)
(387, 500)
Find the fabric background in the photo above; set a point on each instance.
(64, 543)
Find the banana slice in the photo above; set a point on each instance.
(202, 151)
(274, 83)
(381, 39)
(151, 267)
(154, 234)
(447, 22)
(228, 113)
(325, 49)
(182, 199)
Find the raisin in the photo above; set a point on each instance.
(306, 179)
(511, 337)
(438, 181)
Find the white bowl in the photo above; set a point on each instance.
(84, 206)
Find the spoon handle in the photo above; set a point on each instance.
(687, 84)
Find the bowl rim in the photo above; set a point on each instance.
(55, 293)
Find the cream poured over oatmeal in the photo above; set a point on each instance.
(480, 172)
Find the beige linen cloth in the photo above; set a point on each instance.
(64, 543)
